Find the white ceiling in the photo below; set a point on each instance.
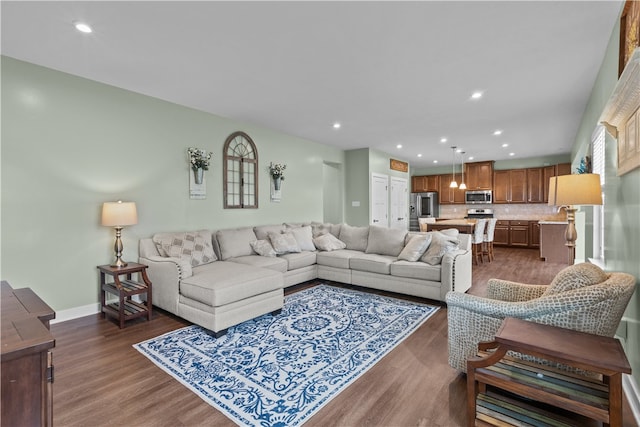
(390, 72)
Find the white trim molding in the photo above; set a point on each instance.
(75, 312)
(630, 387)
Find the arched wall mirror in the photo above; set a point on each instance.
(240, 172)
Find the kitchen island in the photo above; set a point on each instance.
(552, 241)
(466, 226)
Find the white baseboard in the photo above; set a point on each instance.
(75, 312)
(631, 390)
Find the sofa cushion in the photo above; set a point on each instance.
(319, 228)
(328, 242)
(415, 248)
(385, 240)
(299, 260)
(263, 248)
(337, 259)
(224, 282)
(262, 231)
(441, 243)
(272, 263)
(304, 237)
(193, 247)
(416, 270)
(284, 243)
(354, 237)
(575, 277)
(373, 263)
(236, 242)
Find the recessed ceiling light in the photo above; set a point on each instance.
(512, 154)
(505, 145)
(470, 158)
(419, 155)
(435, 161)
(82, 27)
(399, 146)
(336, 125)
(476, 95)
(497, 132)
(459, 150)
(443, 140)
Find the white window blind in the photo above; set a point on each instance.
(598, 163)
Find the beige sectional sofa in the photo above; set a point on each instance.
(222, 278)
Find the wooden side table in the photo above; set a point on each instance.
(125, 308)
(599, 399)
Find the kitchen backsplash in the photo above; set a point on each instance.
(510, 211)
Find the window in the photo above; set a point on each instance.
(598, 211)
(240, 172)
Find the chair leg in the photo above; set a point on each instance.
(485, 251)
(491, 251)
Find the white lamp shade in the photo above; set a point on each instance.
(118, 214)
(577, 189)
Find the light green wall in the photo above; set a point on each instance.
(70, 144)
(360, 164)
(357, 187)
(622, 199)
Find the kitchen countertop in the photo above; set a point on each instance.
(553, 222)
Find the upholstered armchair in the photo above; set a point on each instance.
(581, 297)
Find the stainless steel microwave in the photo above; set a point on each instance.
(478, 197)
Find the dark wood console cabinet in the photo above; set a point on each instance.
(27, 369)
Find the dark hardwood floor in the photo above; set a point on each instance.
(100, 379)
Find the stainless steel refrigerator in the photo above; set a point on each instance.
(422, 205)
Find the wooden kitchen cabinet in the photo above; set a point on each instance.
(425, 183)
(510, 186)
(547, 173)
(535, 186)
(534, 234)
(519, 233)
(448, 195)
(501, 233)
(479, 175)
(513, 233)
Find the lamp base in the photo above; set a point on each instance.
(570, 234)
(117, 248)
(119, 263)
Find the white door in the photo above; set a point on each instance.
(379, 199)
(399, 209)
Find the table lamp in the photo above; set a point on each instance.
(117, 215)
(569, 190)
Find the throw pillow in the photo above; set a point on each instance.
(262, 231)
(263, 247)
(441, 243)
(236, 242)
(385, 240)
(575, 277)
(284, 243)
(193, 246)
(319, 228)
(304, 237)
(416, 247)
(328, 242)
(354, 237)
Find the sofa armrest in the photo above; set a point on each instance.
(505, 290)
(165, 274)
(456, 272)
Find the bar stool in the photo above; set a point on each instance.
(488, 239)
(477, 241)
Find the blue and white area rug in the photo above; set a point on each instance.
(280, 370)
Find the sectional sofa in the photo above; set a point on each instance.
(218, 279)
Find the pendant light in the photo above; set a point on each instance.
(453, 184)
(463, 186)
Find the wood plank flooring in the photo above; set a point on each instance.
(100, 379)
